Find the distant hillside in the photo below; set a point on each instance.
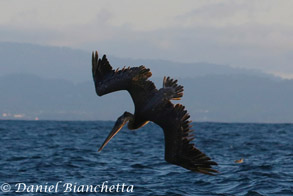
(75, 65)
(56, 83)
(44, 61)
(223, 98)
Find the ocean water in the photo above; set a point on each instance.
(64, 154)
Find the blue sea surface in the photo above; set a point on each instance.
(45, 152)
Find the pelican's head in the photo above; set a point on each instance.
(121, 121)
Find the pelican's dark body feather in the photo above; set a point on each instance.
(153, 105)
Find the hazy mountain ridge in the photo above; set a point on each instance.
(75, 65)
(235, 98)
(45, 83)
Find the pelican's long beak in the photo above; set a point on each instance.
(114, 131)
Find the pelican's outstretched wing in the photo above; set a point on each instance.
(133, 79)
(178, 147)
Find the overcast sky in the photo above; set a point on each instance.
(244, 33)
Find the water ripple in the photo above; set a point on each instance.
(50, 151)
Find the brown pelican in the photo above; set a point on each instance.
(152, 105)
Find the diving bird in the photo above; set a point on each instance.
(153, 105)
